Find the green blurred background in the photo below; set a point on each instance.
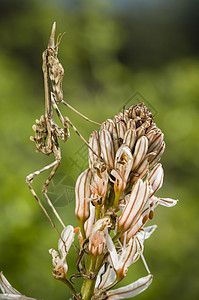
(114, 53)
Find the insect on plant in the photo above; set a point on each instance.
(47, 132)
(115, 195)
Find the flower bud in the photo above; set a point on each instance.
(157, 141)
(139, 223)
(94, 144)
(130, 138)
(121, 129)
(140, 131)
(88, 225)
(131, 124)
(122, 168)
(137, 201)
(107, 150)
(99, 185)
(97, 243)
(83, 193)
(111, 127)
(140, 151)
(155, 178)
(97, 236)
(158, 153)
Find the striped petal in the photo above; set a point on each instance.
(97, 243)
(155, 178)
(15, 297)
(90, 221)
(168, 202)
(154, 159)
(94, 144)
(157, 141)
(131, 124)
(129, 254)
(137, 201)
(9, 292)
(111, 127)
(130, 290)
(130, 138)
(140, 131)
(140, 151)
(139, 222)
(67, 238)
(99, 185)
(120, 262)
(117, 119)
(146, 233)
(83, 193)
(105, 277)
(107, 149)
(64, 244)
(123, 166)
(97, 236)
(142, 170)
(150, 136)
(121, 129)
(112, 250)
(6, 286)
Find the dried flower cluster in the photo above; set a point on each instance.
(115, 197)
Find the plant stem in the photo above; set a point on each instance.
(64, 280)
(97, 211)
(82, 230)
(89, 284)
(116, 200)
(87, 288)
(117, 236)
(110, 200)
(110, 286)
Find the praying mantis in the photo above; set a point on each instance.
(47, 132)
